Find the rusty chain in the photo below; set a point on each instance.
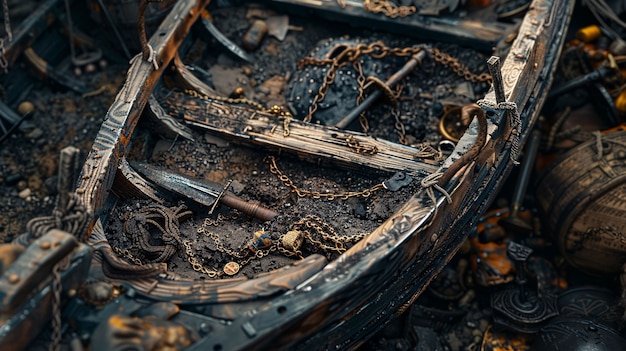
(328, 233)
(275, 110)
(359, 148)
(399, 127)
(56, 290)
(307, 228)
(388, 8)
(377, 50)
(128, 255)
(316, 194)
(197, 266)
(459, 68)
(4, 64)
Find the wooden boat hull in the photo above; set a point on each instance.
(314, 305)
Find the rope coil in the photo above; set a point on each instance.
(516, 123)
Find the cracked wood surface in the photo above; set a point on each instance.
(110, 144)
(307, 140)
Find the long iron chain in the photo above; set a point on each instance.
(316, 194)
(4, 64)
(377, 50)
(128, 255)
(277, 111)
(56, 290)
(459, 68)
(328, 233)
(388, 8)
(319, 233)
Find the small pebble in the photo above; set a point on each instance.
(35, 134)
(21, 185)
(24, 194)
(25, 107)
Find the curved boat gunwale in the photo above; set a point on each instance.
(328, 297)
(526, 80)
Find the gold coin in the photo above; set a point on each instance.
(231, 268)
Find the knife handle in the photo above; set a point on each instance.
(248, 208)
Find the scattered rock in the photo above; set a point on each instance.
(35, 134)
(217, 141)
(13, 179)
(24, 194)
(21, 185)
(237, 187)
(34, 182)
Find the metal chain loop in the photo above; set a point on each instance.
(128, 255)
(277, 111)
(312, 224)
(388, 8)
(197, 266)
(7, 21)
(56, 290)
(457, 67)
(376, 50)
(316, 194)
(4, 64)
(359, 148)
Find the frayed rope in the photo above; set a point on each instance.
(516, 123)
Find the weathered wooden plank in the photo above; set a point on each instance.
(109, 146)
(29, 30)
(481, 32)
(309, 141)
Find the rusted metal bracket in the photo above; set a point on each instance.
(26, 286)
(110, 144)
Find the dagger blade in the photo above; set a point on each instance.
(204, 192)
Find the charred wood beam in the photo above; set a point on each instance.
(30, 29)
(482, 35)
(47, 71)
(110, 144)
(309, 141)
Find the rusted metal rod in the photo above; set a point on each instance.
(496, 75)
(375, 95)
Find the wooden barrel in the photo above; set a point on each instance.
(583, 196)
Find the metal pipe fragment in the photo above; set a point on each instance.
(375, 95)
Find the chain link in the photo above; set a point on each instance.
(376, 50)
(128, 255)
(314, 224)
(316, 194)
(56, 290)
(4, 64)
(359, 148)
(197, 266)
(457, 67)
(388, 8)
(7, 20)
(399, 127)
(312, 228)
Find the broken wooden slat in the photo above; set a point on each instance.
(309, 141)
(109, 146)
